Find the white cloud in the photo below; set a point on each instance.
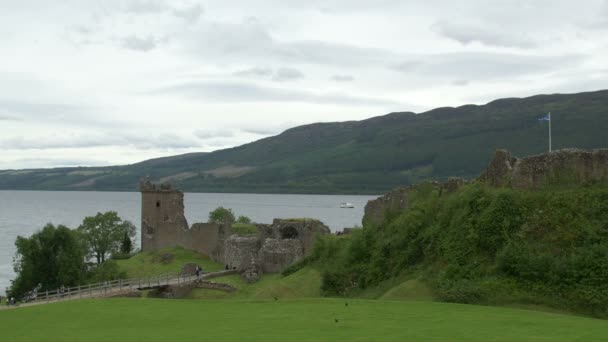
(76, 83)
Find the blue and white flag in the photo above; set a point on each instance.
(546, 117)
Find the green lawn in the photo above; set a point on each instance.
(289, 320)
(305, 283)
(151, 263)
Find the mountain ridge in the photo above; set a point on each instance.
(368, 156)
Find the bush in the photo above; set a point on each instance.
(483, 245)
(106, 271)
(221, 215)
(243, 220)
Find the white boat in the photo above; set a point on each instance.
(344, 205)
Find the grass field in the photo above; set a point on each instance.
(289, 320)
(305, 283)
(153, 264)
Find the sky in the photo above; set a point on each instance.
(106, 82)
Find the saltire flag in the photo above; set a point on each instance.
(546, 117)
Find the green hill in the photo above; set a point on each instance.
(479, 245)
(369, 156)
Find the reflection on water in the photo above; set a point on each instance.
(24, 212)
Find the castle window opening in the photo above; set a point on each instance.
(158, 204)
(289, 233)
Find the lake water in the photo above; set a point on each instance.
(25, 212)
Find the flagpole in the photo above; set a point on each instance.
(549, 132)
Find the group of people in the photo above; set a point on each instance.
(9, 301)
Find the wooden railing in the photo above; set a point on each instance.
(108, 288)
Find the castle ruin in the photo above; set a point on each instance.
(272, 249)
(568, 166)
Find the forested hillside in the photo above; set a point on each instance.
(369, 156)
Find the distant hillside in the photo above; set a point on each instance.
(367, 157)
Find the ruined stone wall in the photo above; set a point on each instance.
(274, 248)
(162, 216)
(569, 166)
(304, 230)
(164, 224)
(375, 210)
(276, 255)
(242, 251)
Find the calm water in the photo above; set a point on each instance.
(24, 212)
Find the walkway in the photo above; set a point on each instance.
(117, 288)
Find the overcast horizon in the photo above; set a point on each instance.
(97, 83)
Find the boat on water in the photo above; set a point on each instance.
(345, 205)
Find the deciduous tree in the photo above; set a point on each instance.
(104, 234)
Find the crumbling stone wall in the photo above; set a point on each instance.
(569, 166)
(242, 251)
(277, 254)
(396, 200)
(163, 223)
(275, 247)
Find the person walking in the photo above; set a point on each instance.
(198, 272)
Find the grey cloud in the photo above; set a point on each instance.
(465, 33)
(9, 118)
(31, 110)
(287, 74)
(460, 83)
(190, 14)
(342, 78)
(139, 44)
(253, 41)
(269, 129)
(254, 72)
(92, 140)
(208, 134)
(29, 163)
(230, 92)
(484, 66)
(146, 6)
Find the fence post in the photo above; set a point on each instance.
(47, 296)
(79, 292)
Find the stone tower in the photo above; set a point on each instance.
(162, 216)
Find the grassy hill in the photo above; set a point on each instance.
(369, 156)
(480, 245)
(288, 320)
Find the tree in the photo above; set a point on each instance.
(104, 234)
(221, 215)
(243, 220)
(52, 257)
(126, 245)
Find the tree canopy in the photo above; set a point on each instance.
(105, 234)
(221, 215)
(52, 257)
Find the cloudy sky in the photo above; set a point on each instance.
(102, 82)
